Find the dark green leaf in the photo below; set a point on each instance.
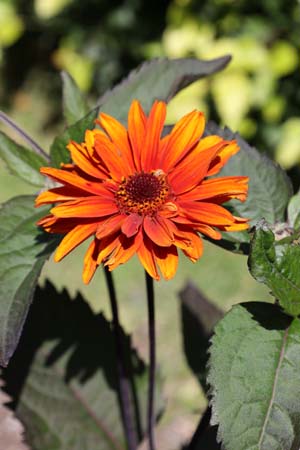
(58, 151)
(21, 162)
(276, 264)
(23, 251)
(63, 377)
(74, 105)
(269, 187)
(255, 378)
(159, 79)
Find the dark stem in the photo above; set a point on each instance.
(124, 386)
(9, 122)
(152, 360)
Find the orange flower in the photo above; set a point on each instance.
(138, 193)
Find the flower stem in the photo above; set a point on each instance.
(152, 360)
(9, 122)
(124, 388)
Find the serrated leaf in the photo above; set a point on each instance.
(23, 251)
(255, 378)
(269, 187)
(21, 162)
(74, 105)
(63, 377)
(58, 151)
(159, 79)
(276, 264)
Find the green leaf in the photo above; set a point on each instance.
(159, 79)
(74, 105)
(21, 162)
(254, 373)
(269, 187)
(58, 151)
(23, 251)
(63, 377)
(276, 264)
(294, 211)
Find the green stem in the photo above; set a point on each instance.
(123, 378)
(152, 361)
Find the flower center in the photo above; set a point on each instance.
(142, 193)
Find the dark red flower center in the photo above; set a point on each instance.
(143, 193)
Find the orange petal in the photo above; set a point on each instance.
(108, 246)
(72, 179)
(131, 224)
(146, 256)
(83, 160)
(182, 138)
(128, 248)
(60, 194)
(75, 237)
(157, 232)
(86, 207)
(223, 156)
(209, 231)
(136, 131)
(191, 244)
(118, 135)
(224, 187)
(109, 226)
(192, 171)
(167, 260)
(207, 213)
(114, 160)
(90, 261)
(154, 127)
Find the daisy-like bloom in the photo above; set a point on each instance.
(138, 193)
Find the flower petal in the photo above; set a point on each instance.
(128, 248)
(157, 232)
(109, 226)
(154, 127)
(136, 131)
(60, 194)
(86, 207)
(191, 244)
(73, 179)
(167, 260)
(83, 160)
(207, 213)
(131, 224)
(146, 257)
(114, 160)
(184, 135)
(224, 187)
(118, 135)
(75, 237)
(90, 263)
(223, 156)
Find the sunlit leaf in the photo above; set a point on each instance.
(276, 264)
(21, 162)
(23, 251)
(74, 105)
(255, 379)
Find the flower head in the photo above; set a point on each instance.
(139, 193)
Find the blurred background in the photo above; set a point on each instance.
(98, 42)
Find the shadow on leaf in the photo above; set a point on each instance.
(65, 340)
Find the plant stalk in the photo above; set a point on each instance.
(152, 361)
(123, 379)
